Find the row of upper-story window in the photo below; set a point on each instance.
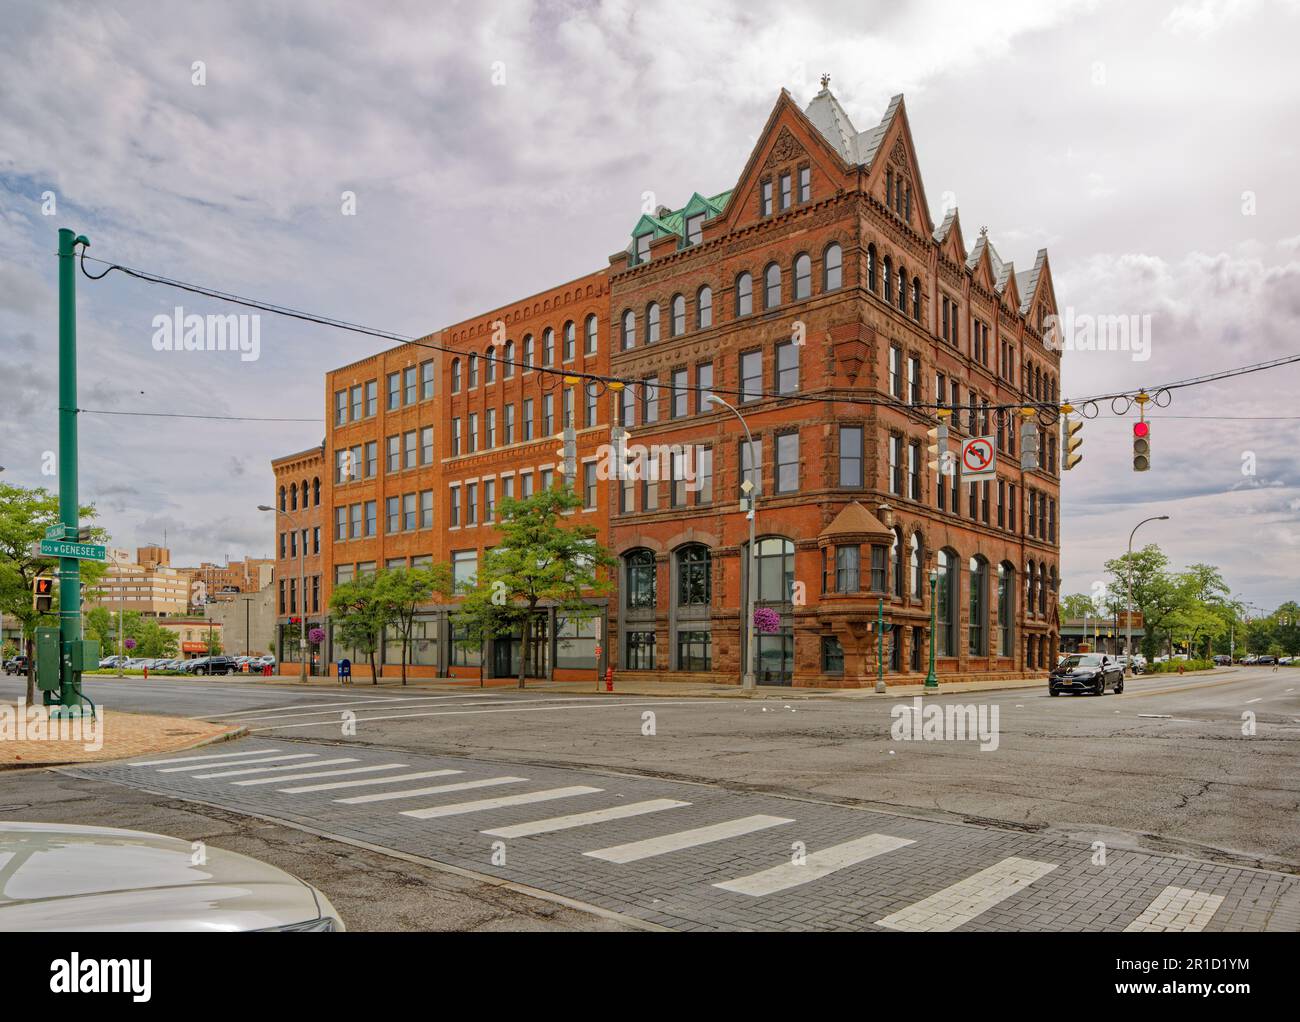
(525, 357)
(408, 512)
(476, 432)
(773, 295)
(290, 605)
(289, 542)
(289, 497)
(407, 386)
(473, 502)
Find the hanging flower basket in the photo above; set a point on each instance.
(767, 620)
(129, 643)
(316, 636)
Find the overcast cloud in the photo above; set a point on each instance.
(1150, 147)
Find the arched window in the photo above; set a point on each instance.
(902, 289)
(744, 295)
(652, 323)
(315, 491)
(873, 271)
(508, 370)
(640, 579)
(548, 347)
(896, 561)
(704, 307)
(1006, 609)
(1031, 582)
(570, 341)
(1042, 591)
(455, 376)
(946, 612)
(293, 496)
(490, 365)
(772, 286)
(916, 299)
(679, 315)
(473, 371)
(284, 497)
(979, 606)
(694, 584)
(888, 292)
(530, 354)
(916, 571)
(802, 276)
(833, 267)
(590, 344)
(629, 330)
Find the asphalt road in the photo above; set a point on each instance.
(1161, 772)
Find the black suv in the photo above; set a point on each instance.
(213, 665)
(1086, 672)
(16, 665)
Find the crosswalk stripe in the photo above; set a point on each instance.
(687, 839)
(815, 866)
(322, 773)
(195, 759)
(417, 776)
(274, 769)
(963, 901)
(438, 789)
(458, 808)
(210, 766)
(1177, 910)
(585, 819)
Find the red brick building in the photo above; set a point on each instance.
(301, 496)
(821, 275)
(819, 299)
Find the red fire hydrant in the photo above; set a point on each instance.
(146, 674)
(266, 670)
(609, 679)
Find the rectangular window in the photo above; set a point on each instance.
(805, 184)
(589, 485)
(394, 390)
(471, 433)
(393, 515)
(878, 569)
(548, 414)
(525, 485)
(370, 519)
(464, 566)
(408, 385)
(455, 438)
(590, 405)
(677, 479)
(787, 368)
(489, 499)
(372, 397)
(765, 198)
(356, 403)
(453, 511)
(751, 376)
(851, 456)
(694, 651)
(471, 503)
(340, 526)
(426, 380)
(703, 383)
(787, 462)
(640, 651)
(426, 445)
(340, 407)
(528, 418)
(567, 418)
(914, 470)
(847, 561)
(410, 444)
(680, 393)
(548, 478)
(355, 510)
(408, 512)
(508, 487)
(896, 371)
(896, 464)
(704, 475)
(650, 400)
(372, 458)
(913, 380)
(751, 466)
(627, 411)
(490, 429)
(785, 191)
(510, 424)
(426, 509)
(695, 229)
(589, 347)
(643, 247)
(833, 655)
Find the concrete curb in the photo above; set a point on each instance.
(229, 736)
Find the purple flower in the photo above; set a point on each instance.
(316, 636)
(767, 620)
(129, 644)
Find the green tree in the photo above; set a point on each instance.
(1078, 605)
(404, 591)
(361, 614)
(541, 560)
(152, 640)
(24, 516)
(1154, 591)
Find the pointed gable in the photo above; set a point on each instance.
(854, 523)
(890, 152)
(1038, 276)
(980, 263)
(952, 245)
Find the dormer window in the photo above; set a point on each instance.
(643, 247)
(695, 229)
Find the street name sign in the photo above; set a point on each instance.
(81, 551)
(54, 532)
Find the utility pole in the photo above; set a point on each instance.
(1128, 586)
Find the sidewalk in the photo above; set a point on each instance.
(33, 740)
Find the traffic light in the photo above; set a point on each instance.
(938, 446)
(568, 454)
(1070, 456)
(1141, 446)
(1028, 446)
(42, 594)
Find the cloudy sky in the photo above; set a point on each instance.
(497, 149)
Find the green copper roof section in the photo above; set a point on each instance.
(675, 222)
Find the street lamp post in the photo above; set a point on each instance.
(1128, 588)
(747, 681)
(302, 595)
(931, 681)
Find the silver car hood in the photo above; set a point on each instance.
(67, 877)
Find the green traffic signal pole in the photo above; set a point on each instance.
(69, 516)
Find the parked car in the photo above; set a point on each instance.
(16, 664)
(1286, 660)
(113, 661)
(212, 665)
(133, 880)
(1267, 658)
(1247, 661)
(1222, 660)
(1086, 672)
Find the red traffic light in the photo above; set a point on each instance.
(1141, 429)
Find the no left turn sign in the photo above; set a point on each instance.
(979, 458)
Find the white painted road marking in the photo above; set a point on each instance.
(586, 819)
(195, 759)
(333, 712)
(417, 776)
(265, 759)
(384, 796)
(323, 773)
(602, 705)
(817, 865)
(948, 909)
(274, 769)
(686, 839)
(1177, 910)
(459, 808)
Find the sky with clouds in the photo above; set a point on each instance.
(498, 149)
